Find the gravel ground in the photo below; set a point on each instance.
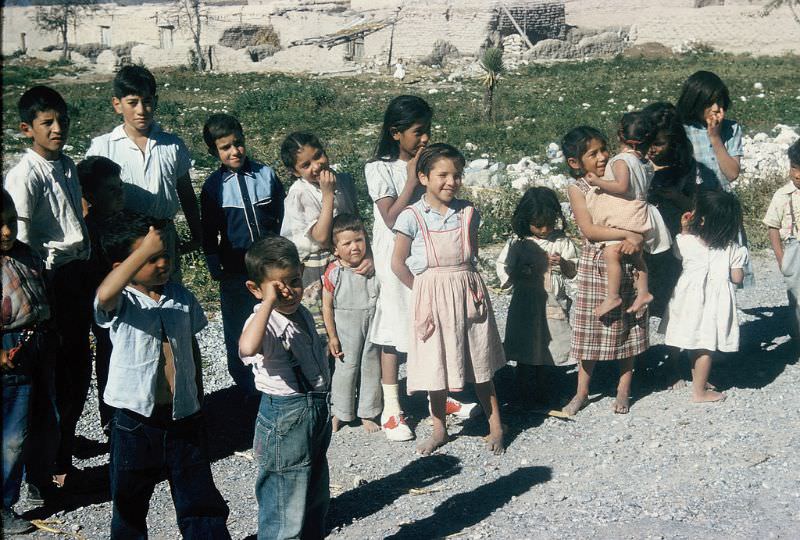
(669, 469)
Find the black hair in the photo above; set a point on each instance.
(346, 222)
(434, 152)
(575, 143)
(539, 206)
(133, 80)
(268, 253)
(702, 89)
(40, 99)
(794, 154)
(123, 230)
(293, 143)
(8, 202)
(218, 126)
(93, 170)
(401, 113)
(717, 218)
(678, 152)
(637, 130)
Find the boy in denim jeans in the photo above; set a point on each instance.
(290, 365)
(241, 202)
(155, 383)
(27, 364)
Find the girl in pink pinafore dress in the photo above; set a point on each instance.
(454, 338)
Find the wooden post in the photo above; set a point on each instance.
(391, 41)
(522, 34)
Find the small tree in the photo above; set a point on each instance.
(793, 5)
(60, 16)
(492, 64)
(189, 15)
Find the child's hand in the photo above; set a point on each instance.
(335, 348)
(273, 292)
(592, 179)
(411, 167)
(153, 242)
(366, 268)
(5, 361)
(327, 182)
(714, 120)
(554, 260)
(685, 219)
(631, 244)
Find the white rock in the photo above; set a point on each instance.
(433, 91)
(758, 86)
(629, 107)
(479, 164)
(552, 150)
(761, 137)
(470, 147)
(545, 169)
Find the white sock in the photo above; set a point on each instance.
(391, 402)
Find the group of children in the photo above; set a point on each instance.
(316, 314)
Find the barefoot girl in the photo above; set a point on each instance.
(702, 315)
(317, 196)
(536, 262)
(619, 335)
(392, 183)
(620, 200)
(454, 337)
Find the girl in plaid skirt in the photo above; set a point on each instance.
(618, 335)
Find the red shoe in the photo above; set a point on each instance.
(396, 428)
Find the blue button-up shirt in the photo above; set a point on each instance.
(708, 172)
(138, 325)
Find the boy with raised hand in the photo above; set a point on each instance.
(45, 190)
(783, 220)
(155, 383)
(26, 359)
(103, 198)
(240, 202)
(290, 366)
(155, 164)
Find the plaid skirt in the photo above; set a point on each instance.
(615, 336)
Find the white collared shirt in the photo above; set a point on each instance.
(137, 326)
(272, 367)
(47, 196)
(150, 179)
(302, 208)
(779, 213)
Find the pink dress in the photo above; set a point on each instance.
(454, 334)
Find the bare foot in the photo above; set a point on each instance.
(677, 385)
(429, 445)
(494, 442)
(622, 404)
(59, 480)
(710, 386)
(336, 424)
(640, 303)
(708, 396)
(611, 302)
(370, 426)
(576, 404)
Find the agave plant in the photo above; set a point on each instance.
(492, 64)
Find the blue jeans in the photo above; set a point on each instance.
(147, 449)
(236, 304)
(30, 420)
(290, 446)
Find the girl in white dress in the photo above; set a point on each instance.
(702, 316)
(620, 201)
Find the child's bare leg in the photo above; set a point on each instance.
(439, 436)
(643, 296)
(613, 300)
(491, 408)
(622, 402)
(336, 424)
(701, 369)
(585, 369)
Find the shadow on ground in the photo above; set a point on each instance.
(464, 510)
(230, 421)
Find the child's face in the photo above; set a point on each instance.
(542, 231)
(49, 132)
(137, 111)
(443, 181)
(8, 228)
(292, 278)
(108, 197)
(794, 174)
(231, 151)
(714, 110)
(593, 160)
(309, 162)
(660, 143)
(350, 247)
(155, 272)
(412, 139)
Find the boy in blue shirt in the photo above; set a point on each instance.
(240, 202)
(155, 383)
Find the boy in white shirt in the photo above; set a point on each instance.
(155, 164)
(45, 189)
